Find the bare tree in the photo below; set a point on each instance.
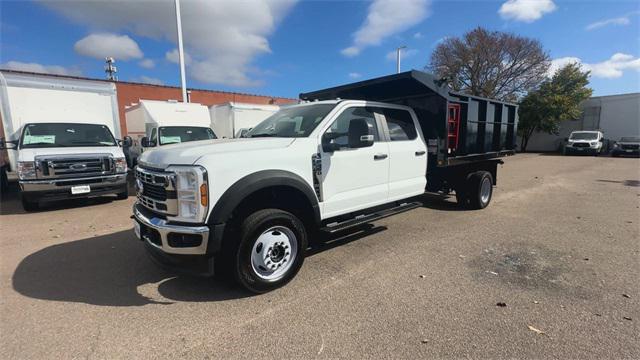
(491, 64)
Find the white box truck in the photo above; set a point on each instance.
(61, 137)
(233, 119)
(152, 124)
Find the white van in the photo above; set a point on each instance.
(152, 124)
(61, 137)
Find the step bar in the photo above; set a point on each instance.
(365, 219)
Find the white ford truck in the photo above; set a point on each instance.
(61, 138)
(248, 206)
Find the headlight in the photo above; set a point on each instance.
(192, 193)
(26, 170)
(121, 165)
(593, 143)
(615, 145)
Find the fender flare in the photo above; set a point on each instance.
(249, 184)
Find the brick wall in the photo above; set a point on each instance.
(131, 93)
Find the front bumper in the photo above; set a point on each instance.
(61, 188)
(173, 238)
(620, 151)
(583, 149)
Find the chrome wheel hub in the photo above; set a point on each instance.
(273, 253)
(485, 190)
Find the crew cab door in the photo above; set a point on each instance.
(407, 154)
(353, 178)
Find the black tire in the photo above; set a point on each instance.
(124, 194)
(475, 183)
(249, 232)
(4, 181)
(29, 204)
(462, 198)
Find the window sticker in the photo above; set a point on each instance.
(39, 139)
(170, 139)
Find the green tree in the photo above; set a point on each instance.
(492, 64)
(557, 99)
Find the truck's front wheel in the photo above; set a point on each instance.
(271, 250)
(28, 203)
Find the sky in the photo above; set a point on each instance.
(284, 47)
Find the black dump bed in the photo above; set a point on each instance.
(485, 128)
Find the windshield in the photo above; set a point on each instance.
(631, 139)
(180, 134)
(584, 136)
(296, 121)
(50, 135)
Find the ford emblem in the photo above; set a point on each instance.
(78, 166)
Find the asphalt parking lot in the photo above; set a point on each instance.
(559, 245)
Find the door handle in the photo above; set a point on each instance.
(380, 156)
(420, 153)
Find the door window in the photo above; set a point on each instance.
(339, 130)
(400, 124)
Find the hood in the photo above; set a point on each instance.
(628, 142)
(30, 154)
(188, 153)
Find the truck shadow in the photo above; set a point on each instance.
(440, 202)
(115, 270)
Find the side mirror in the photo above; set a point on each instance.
(359, 136)
(327, 145)
(8, 145)
(145, 142)
(126, 142)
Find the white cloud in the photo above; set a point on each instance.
(148, 80)
(526, 10)
(391, 55)
(386, 18)
(418, 35)
(172, 56)
(222, 37)
(39, 68)
(618, 21)
(101, 45)
(612, 68)
(355, 75)
(147, 63)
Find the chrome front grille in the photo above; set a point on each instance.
(156, 191)
(630, 146)
(74, 166)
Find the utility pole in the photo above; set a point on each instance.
(398, 51)
(183, 79)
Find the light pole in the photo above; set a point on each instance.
(398, 50)
(183, 79)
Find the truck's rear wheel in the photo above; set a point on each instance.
(271, 250)
(480, 189)
(124, 194)
(29, 204)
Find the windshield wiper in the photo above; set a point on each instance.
(262, 135)
(90, 143)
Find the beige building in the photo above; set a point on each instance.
(615, 115)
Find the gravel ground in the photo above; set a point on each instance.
(559, 245)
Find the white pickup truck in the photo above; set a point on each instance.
(248, 206)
